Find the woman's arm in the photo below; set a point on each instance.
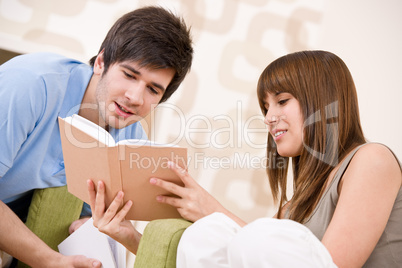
(367, 193)
(194, 202)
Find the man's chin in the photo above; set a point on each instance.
(119, 123)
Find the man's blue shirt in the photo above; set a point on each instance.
(35, 89)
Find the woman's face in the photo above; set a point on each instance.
(285, 123)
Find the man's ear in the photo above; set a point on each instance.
(99, 64)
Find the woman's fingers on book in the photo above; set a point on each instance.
(112, 211)
(92, 193)
(121, 215)
(100, 213)
(190, 185)
(173, 201)
(190, 206)
(182, 174)
(100, 199)
(107, 219)
(168, 186)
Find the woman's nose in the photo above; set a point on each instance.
(271, 119)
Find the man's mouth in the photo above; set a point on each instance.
(122, 111)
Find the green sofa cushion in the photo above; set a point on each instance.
(51, 212)
(158, 245)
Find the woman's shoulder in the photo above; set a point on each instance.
(376, 154)
(374, 160)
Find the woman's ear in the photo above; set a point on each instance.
(99, 64)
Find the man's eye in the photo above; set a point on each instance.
(153, 91)
(128, 75)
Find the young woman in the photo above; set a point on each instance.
(346, 192)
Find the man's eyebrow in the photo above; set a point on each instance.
(132, 69)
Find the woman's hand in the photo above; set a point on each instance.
(111, 221)
(193, 201)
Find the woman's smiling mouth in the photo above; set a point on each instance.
(278, 134)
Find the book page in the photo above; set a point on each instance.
(88, 241)
(91, 129)
(138, 143)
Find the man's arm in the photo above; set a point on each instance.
(17, 240)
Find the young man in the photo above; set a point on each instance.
(142, 61)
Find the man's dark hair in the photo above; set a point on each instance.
(153, 37)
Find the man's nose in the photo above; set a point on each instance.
(135, 94)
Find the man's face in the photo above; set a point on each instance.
(126, 93)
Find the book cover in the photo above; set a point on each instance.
(90, 153)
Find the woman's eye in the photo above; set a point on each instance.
(282, 102)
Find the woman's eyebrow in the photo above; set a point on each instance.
(279, 93)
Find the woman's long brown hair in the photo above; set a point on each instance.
(324, 87)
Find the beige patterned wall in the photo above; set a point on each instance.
(215, 112)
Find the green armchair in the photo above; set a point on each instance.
(158, 245)
(53, 210)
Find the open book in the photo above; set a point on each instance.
(90, 152)
(87, 240)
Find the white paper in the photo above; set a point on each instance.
(90, 242)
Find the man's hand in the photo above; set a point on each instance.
(18, 241)
(77, 224)
(77, 261)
